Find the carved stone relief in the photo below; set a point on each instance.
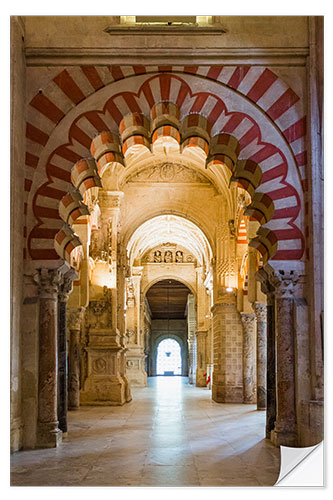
(168, 253)
(169, 172)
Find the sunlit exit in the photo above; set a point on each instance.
(169, 361)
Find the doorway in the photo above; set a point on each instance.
(169, 360)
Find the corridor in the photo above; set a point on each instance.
(170, 434)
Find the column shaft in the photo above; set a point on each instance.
(62, 367)
(271, 360)
(48, 433)
(249, 357)
(261, 314)
(74, 320)
(285, 427)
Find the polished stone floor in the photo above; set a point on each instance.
(170, 434)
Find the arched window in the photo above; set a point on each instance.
(169, 360)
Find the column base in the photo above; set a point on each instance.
(128, 395)
(200, 379)
(104, 391)
(48, 435)
(283, 438)
(135, 372)
(16, 434)
(227, 394)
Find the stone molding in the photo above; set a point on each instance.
(64, 56)
(110, 199)
(74, 318)
(260, 310)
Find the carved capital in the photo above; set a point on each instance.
(260, 310)
(74, 317)
(284, 283)
(66, 286)
(49, 281)
(248, 321)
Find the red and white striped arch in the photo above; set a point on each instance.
(249, 102)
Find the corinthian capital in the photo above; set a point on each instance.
(284, 283)
(66, 286)
(74, 317)
(260, 310)
(49, 281)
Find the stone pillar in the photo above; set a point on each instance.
(267, 289)
(201, 358)
(249, 357)
(191, 327)
(227, 384)
(74, 325)
(64, 291)
(284, 432)
(261, 315)
(48, 433)
(271, 362)
(135, 355)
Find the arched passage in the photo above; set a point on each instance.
(168, 306)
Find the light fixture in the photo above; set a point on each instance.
(229, 289)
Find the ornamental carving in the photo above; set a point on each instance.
(66, 287)
(130, 336)
(169, 172)
(100, 311)
(260, 310)
(167, 254)
(99, 366)
(284, 283)
(248, 320)
(75, 317)
(49, 281)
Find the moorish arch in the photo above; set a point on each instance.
(219, 104)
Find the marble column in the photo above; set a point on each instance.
(261, 315)
(191, 327)
(48, 433)
(75, 316)
(64, 291)
(201, 358)
(267, 289)
(284, 432)
(249, 357)
(271, 361)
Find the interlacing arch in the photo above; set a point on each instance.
(166, 112)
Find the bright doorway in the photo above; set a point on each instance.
(169, 360)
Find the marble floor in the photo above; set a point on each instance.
(170, 434)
